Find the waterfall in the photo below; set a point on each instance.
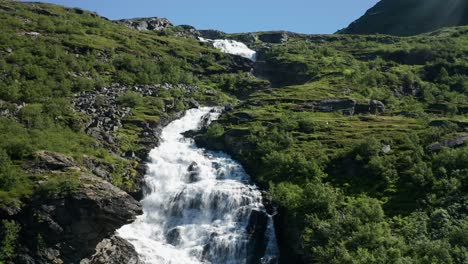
(200, 206)
(232, 47)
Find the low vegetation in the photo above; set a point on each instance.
(352, 186)
(361, 188)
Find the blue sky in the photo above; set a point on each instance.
(304, 16)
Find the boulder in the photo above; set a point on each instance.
(193, 172)
(274, 37)
(53, 161)
(376, 107)
(71, 227)
(114, 250)
(454, 142)
(173, 236)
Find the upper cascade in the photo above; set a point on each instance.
(232, 47)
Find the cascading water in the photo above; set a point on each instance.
(232, 47)
(200, 207)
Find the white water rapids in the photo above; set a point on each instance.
(232, 47)
(200, 206)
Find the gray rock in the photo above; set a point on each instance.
(193, 172)
(173, 236)
(386, 149)
(114, 250)
(212, 34)
(458, 141)
(331, 105)
(53, 161)
(275, 37)
(150, 23)
(376, 107)
(248, 38)
(73, 225)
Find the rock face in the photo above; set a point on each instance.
(281, 72)
(66, 228)
(258, 222)
(410, 17)
(150, 23)
(105, 115)
(114, 250)
(450, 143)
(345, 105)
(212, 34)
(275, 37)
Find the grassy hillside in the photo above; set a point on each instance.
(410, 17)
(358, 183)
(360, 139)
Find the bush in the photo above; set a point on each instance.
(58, 186)
(9, 240)
(10, 175)
(215, 131)
(130, 99)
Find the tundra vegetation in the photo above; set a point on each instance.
(339, 129)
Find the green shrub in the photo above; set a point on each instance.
(57, 186)
(9, 240)
(130, 99)
(215, 131)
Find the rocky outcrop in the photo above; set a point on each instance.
(52, 161)
(212, 34)
(454, 142)
(10, 110)
(256, 228)
(149, 23)
(281, 72)
(114, 250)
(346, 106)
(67, 229)
(275, 37)
(106, 116)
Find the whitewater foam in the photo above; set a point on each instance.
(232, 47)
(199, 204)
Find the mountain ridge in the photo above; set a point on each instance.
(409, 17)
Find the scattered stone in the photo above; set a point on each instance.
(31, 34)
(386, 149)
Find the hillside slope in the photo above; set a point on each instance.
(81, 101)
(362, 143)
(360, 140)
(410, 17)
